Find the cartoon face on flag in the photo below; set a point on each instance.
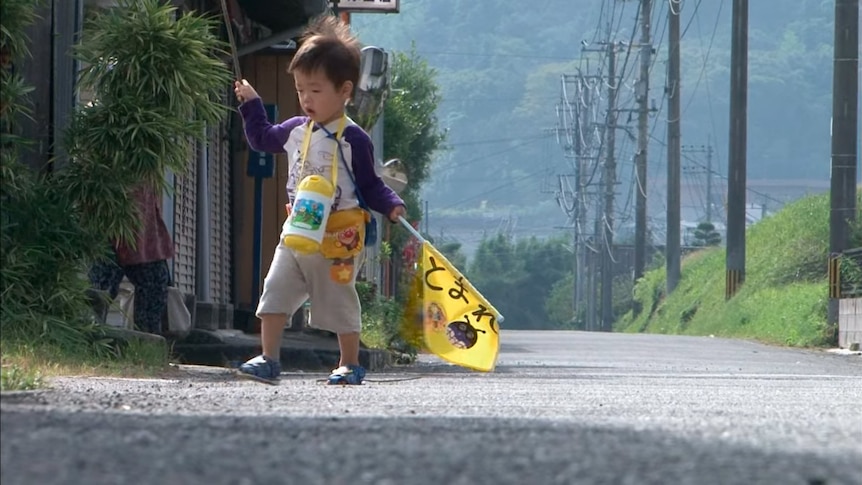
(457, 322)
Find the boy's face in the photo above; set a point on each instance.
(319, 97)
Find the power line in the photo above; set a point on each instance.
(489, 155)
(706, 83)
(484, 99)
(496, 140)
(722, 176)
(489, 191)
(706, 56)
(487, 55)
(693, 13)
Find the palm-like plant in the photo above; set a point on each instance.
(158, 82)
(15, 16)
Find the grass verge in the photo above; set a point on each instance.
(783, 300)
(28, 366)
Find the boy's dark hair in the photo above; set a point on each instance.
(328, 45)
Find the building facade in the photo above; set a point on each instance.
(223, 214)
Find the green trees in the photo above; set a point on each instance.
(452, 251)
(413, 135)
(518, 278)
(560, 305)
(411, 130)
(706, 235)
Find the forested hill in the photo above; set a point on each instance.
(500, 62)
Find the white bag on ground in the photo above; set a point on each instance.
(178, 315)
(120, 312)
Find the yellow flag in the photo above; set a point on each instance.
(458, 324)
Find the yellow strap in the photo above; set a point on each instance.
(306, 143)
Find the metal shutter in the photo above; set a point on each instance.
(220, 215)
(185, 193)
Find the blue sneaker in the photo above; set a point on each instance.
(350, 375)
(261, 368)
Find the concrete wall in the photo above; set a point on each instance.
(849, 322)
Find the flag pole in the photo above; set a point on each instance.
(237, 71)
(410, 228)
(422, 240)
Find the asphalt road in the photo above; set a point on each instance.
(562, 408)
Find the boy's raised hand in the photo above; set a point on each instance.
(397, 211)
(244, 92)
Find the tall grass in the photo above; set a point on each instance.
(29, 366)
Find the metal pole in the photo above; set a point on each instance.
(672, 245)
(202, 229)
(410, 229)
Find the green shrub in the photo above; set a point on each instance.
(158, 81)
(383, 321)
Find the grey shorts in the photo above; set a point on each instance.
(330, 284)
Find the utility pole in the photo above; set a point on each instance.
(641, 163)
(427, 221)
(736, 165)
(593, 307)
(580, 220)
(706, 170)
(674, 155)
(604, 226)
(609, 176)
(709, 196)
(845, 126)
(577, 280)
(582, 122)
(573, 119)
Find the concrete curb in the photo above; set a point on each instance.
(299, 351)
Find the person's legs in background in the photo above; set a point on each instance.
(105, 277)
(151, 294)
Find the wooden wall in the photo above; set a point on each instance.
(268, 74)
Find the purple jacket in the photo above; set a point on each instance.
(273, 138)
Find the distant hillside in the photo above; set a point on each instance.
(500, 65)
